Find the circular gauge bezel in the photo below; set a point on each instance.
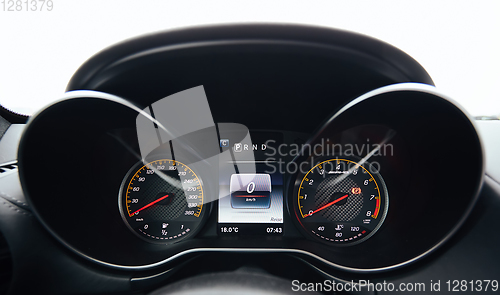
(121, 199)
(382, 188)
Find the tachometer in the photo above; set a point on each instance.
(162, 201)
(341, 201)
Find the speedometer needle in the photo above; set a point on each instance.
(149, 205)
(327, 205)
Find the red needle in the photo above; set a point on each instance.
(326, 206)
(149, 205)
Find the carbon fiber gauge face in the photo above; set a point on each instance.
(340, 201)
(162, 201)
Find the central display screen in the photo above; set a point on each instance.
(251, 203)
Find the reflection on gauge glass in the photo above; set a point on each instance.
(340, 201)
(162, 201)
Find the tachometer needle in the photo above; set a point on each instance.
(327, 205)
(149, 205)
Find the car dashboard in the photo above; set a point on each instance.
(299, 153)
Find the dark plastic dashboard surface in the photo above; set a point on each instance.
(256, 66)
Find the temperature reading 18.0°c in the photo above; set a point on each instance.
(229, 229)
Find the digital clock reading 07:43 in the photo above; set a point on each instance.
(274, 230)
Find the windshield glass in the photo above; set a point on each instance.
(457, 43)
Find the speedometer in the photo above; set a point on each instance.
(341, 201)
(162, 201)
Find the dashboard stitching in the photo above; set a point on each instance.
(15, 208)
(10, 198)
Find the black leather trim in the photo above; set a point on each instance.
(42, 266)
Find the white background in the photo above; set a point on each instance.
(457, 42)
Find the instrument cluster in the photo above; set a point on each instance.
(373, 188)
(326, 145)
